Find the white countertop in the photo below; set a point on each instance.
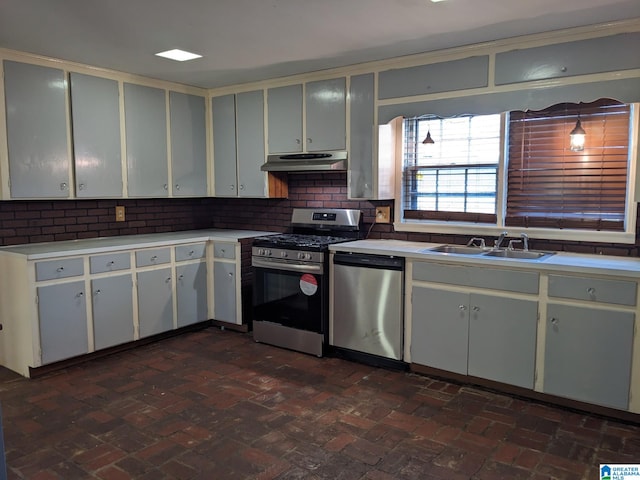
(34, 251)
(560, 262)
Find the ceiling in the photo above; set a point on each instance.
(248, 40)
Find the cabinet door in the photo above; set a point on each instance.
(224, 292)
(440, 329)
(39, 164)
(224, 146)
(285, 119)
(502, 339)
(155, 302)
(191, 293)
(361, 158)
(112, 302)
(62, 313)
(250, 118)
(326, 115)
(588, 354)
(188, 145)
(95, 113)
(146, 130)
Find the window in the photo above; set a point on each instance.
(517, 170)
(454, 178)
(551, 186)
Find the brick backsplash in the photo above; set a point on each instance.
(53, 220)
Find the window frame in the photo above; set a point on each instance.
(628, 236)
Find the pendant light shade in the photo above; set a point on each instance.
(577, 137)
(428, 140)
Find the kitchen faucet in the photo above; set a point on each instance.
(525, 241)
(500, 239)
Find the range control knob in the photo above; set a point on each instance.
(304, 256)
(284, 254)
(267, 252)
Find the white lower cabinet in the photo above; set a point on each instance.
(588, 354)
(225, 297)
(57, 307)
(486, 336)
(191, 293)
(155, 301)
(112, 307)
(62, 317)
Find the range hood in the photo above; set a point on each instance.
(306, 162)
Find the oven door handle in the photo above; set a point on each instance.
(256, 262)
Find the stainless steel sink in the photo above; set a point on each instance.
(519, 254)
(457, 249)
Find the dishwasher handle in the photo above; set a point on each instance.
(384, 262)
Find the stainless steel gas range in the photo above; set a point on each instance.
(291, 278)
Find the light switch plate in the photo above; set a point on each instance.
(119, 214)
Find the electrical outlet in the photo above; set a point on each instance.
(119, 214)
(383, 214)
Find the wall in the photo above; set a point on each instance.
(45, 221)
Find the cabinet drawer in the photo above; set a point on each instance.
(110, 262)
(63, 268)
(154, 256)
(224, 250)
(190, 252)
(620, 292)
(494, 279)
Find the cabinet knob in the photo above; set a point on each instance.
(81, 186)
(191, 253)
(232, 187)
(111, 263)
(167, 280)
(165, 186)
(476, 309)
(80, 294)
(177, 186)
(297, 141)
(462, 308)
(63, 186)
(554, 321)
(309, 140)
(180, 277)
(97, 292)
(154, 258)
(59, 269)
(591, 291)
(241, 187)
(230, 274)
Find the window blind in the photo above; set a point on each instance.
(551, 186)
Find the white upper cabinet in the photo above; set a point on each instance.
(324, 112)
(285, 119)
(188, 144)
(238, 145)
(326, 104)
(224, 145)
(37, 131)
(146, 130)
(95, 114)
(250, 121)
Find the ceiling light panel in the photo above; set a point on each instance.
(178, 55)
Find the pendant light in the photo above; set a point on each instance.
(577, 137)
(428, 140)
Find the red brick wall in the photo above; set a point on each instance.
(45, 221)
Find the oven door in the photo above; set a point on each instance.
(290, 294)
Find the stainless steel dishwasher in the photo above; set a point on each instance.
(367, 314)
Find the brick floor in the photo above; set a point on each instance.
(214, 404)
